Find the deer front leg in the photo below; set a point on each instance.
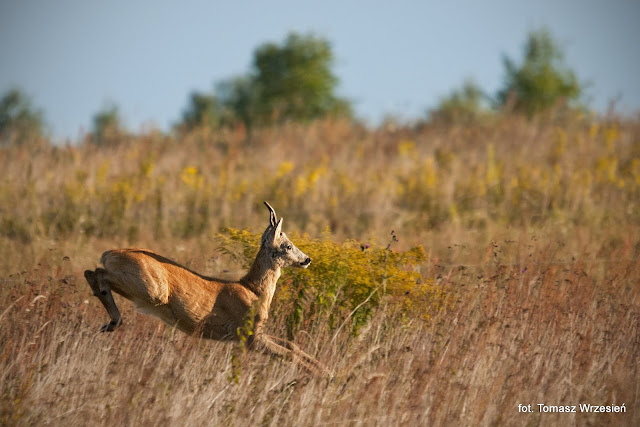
(282, 347)
(100, 285)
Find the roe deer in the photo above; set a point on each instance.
(196, 304)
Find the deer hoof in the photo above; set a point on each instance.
(111, 326)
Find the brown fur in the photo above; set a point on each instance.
(196, 304)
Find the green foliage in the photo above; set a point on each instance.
(20, 123)
(291, 81)
(238, 96)
(107, 126)
(203, 111)
(463, 105)
(345, 282)
(294, 80)
(232, 102)
(542, 80)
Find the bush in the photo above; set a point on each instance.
(346, 282)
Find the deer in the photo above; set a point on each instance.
(195, 304)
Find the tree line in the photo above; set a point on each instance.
(294, 81)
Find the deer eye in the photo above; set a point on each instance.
(288, 247)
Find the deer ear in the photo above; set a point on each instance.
(272, 215)
(278, 229)
(272, 233)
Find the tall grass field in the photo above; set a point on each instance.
(486, 274)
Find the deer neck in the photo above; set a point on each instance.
(261, 280)
(262, 277)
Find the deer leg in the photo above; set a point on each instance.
(299, 354)
(102, 289)
(282, 347)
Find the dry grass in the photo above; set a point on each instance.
(541, 271)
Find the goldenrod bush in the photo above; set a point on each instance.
(347, 283)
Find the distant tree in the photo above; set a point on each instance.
(107, 126)
(288, 81)
(542, 80)
(463, 105)
(20, 123)
(294, 81)
(203, 110)
(238, 98)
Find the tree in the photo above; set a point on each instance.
(291, 81)
(238, 98)
(107, 126)
(20, 123)
(232, 101)
(203, 110)
(294, 81)
(542, 80)
(463, 105)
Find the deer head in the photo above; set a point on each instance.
(278, 247)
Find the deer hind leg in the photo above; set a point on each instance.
(282, 347)
(99, 282)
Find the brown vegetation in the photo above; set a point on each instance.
(527, 292)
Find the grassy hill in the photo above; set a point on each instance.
(458, 271)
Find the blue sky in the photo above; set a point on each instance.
(74, 57)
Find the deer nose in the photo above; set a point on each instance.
(306, 262)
